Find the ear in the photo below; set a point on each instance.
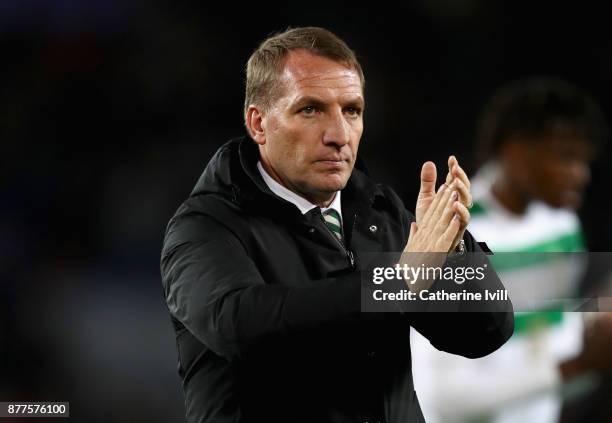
(254, 123)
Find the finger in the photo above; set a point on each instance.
(449, 177)
(446, 215)
(433, 204)
(452, 161)
(445, 202)
(464, 193)
(460, 174)
(428, 179)
(413, 229)
(463, 213)
(445, 242)
(441, 197)
(464, 218)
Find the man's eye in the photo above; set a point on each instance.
(353, 111)
(308, 110)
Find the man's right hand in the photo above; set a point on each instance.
(439, 224)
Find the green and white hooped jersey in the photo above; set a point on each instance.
(523, 243)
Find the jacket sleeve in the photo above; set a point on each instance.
(214, 289)
(476, 329)
(470, 334)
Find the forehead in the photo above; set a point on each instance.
(305, 72)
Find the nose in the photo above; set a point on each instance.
(337, 130)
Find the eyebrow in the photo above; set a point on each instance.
(315, 101)
(309, 100)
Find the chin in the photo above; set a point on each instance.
(330, 182)
(334, 186)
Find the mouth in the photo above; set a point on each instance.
(332, 159)
(332, 162)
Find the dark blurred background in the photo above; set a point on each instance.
(109, 111)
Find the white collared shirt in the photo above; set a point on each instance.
(300, 202)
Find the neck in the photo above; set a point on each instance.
(513, 200)
(323, 202)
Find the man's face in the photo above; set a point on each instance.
(311, 133)
(555, 169)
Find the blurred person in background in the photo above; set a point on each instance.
(262, 264)
(537, 138)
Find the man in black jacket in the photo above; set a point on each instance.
(261, 265)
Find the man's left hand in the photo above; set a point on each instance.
(456, 177)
